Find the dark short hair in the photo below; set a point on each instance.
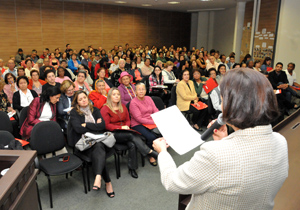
(6, 75)
(34, 70)
(22, 77)
(50, 91)
(101, 68)
(248, 99)
(292, 64)
(63, 61)
(220, 65)
(48, 72)
(279, 63)
(211, 69)
(82, 72)
(234, 65)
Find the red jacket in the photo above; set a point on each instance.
(115, 120)
(97, 98)
(33, 114)
(31, 83)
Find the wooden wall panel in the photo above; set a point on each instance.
(29, 24)
(93, 25)
(73, 24)
(140, 26)
(8, 30)
(52, 25)
(37, 24)
(110, 26)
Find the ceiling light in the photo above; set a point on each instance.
(173, 2)
(146, 5)
(121, 2)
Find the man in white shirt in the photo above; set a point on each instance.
(291, 75)
(223, 61)
(114, 65)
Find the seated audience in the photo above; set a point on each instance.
(116, 117)
(88, 78)
(139, 62)
(156, 79)
(250, 64)
(135, 72)
(141, 108)
(215, 97)
(222, 72)
(126, 88)
(61, 75)
(147, 68)
(24, 96)
(98, 96)
(11, 68)
(115, 65)
(278, 80)
(20, 56)
(86, 118)
(68, 72)
(28, 68)
(212, 63)
(212, 72)
(54, 61)
(46, 66)
(117, 73)
(101, 73)
(35, 83)
(50, 78)
(291, 75)
(80, 83)
(21, 71)
(38, 64)
(11, 87)
(41, 109)
(231, 62)
(266, 66)
(168, 74)
(199, 81)
(64, 108)
(73, 63)
(202, 64)
(257, 66)
(186, 96)
(5, 105)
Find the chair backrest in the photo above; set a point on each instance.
(6, 137)
(145, 80)
(69, 140)
(5, 123)
(173, 95)
(158, 102)
(23, 116)
(46, 137)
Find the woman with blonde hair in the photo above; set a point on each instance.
(116, 117)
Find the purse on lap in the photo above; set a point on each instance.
(89, 139)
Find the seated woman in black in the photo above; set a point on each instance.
(86, 118)
(23, 97)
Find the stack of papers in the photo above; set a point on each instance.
(176, 130)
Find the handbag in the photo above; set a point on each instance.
(87, 140)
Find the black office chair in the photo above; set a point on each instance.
(5, 123)
(86, 160)
(47, 137)
(158, 102)
(23, 116)
(6, 137)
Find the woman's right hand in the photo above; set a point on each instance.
(220, 133)
(99, 120)
(125, 127)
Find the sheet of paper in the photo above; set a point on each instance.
(176, 130)
(94, 136)
(264, 30)
(67, 109)
(264, 44)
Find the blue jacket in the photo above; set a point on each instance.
(71, 65)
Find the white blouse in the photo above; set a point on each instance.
(46, 113)
(25, 99)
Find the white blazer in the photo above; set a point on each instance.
(245, 170)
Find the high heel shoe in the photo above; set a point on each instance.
(111, 195)
(133, 173)
(96, 188)
(153, 154)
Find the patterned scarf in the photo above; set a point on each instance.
(87, 114)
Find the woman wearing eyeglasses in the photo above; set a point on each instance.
(64, 108)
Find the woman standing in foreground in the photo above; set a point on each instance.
(244, 170)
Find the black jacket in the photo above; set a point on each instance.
(17, 99)
(62, 104)
(275, 79)
(75, 129)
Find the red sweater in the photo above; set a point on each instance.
(98, 99)
(115, 120)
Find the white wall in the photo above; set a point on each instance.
(213, 29)
(288, 37)
(224, 30)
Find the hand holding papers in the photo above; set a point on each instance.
(176, 130)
